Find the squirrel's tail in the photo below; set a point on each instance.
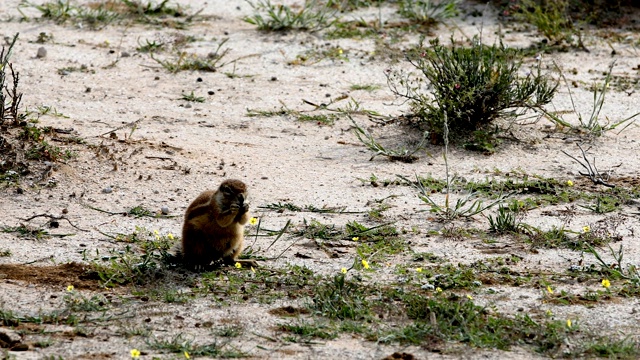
(174, 256)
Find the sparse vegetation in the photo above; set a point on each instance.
(374, 266)
(99, 14)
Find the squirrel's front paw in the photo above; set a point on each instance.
(244, 209)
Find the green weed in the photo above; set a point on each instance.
(593, 126)
(505, 221)
(135, 265)
(101, 13)
(27, 231)
(340, 298)
(281, 207)
(365, 87)
(427, 12)
(193, 98)
(358, 29)
(268, 17)
(184, 61)
(179, 345)
(303, 330)
(314, 56)
(77, 301)
(402, 154)
(550, 17)
(150, 46)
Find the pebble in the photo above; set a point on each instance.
(427, 287)
(165, 210)
(124, 54)
(10, 336)
(107, 190)
(42, 52)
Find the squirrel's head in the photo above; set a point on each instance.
(233, 190)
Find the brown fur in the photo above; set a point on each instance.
(214, 225)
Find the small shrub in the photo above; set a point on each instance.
(471, 87)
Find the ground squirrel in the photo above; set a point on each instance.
(213, 226)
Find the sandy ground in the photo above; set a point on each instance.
(180, 148)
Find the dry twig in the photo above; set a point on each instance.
(592, 171)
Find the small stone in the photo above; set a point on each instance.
(165, 210)
(20, 347)
(9, 336)
(107, 190)
(210, 92)
(42, 52)
(124, 54)
(273, 78)
(427, 287)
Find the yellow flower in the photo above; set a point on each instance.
(586, 229)
(469, 297)
(186, 355)
(606, 283)
(157, 233)
(135, 353)
(569, 183)
(549, 313)
(340, 51)
(253, 221)
(365, 264)
(343, 270)
(70, 288)
(355, 238)
(549, 289)
(253, 270)
(170, 236)
(238, 265)
(439, 289)
(419, 270)
(569, 323)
